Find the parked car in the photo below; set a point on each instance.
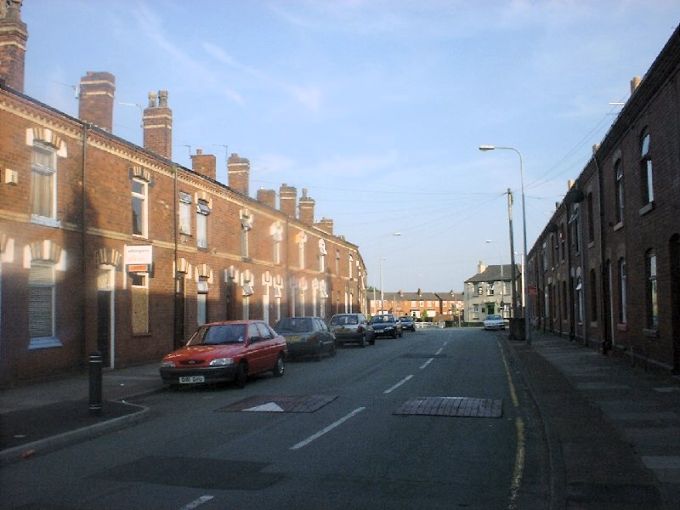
(386, 325)
(306, 336)
(226, 351)
(494, 322)
(352, 328)
(407, 322)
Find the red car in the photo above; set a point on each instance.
(226, 351)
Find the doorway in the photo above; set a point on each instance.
(179, 311)
(674, 252)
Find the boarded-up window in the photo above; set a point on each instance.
(41, 301)
(140, 304)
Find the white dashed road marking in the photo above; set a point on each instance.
(323, 431)
(404, 380)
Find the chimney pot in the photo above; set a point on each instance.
(634, 84)
(157, 122)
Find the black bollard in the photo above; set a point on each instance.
(95, 363)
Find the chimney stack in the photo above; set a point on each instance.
(287, 200)
(157, 122)
(326, 224)
(481, 267)
(306, 208)
(13, 37)
(267, 197)
(96, 94)
(238, 173)
(204, 164)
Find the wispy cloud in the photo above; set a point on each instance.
(151, 25)
(310, 97)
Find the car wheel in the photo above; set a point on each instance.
(241, 375)
(279, 366)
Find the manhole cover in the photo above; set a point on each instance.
(281, 403)
(452, 406)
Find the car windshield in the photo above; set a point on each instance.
(493, 317)
(294, 325)
(219, 334)
(342, 320)
(382, 318)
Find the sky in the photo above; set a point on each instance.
(376, 107)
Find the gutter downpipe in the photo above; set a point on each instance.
(83, 250)
(605, 299)
(175, 339)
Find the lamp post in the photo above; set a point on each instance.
(382, 296)
(527, 307)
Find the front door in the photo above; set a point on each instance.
(179, 311)
(105, 319)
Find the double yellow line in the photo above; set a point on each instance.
(521, 440)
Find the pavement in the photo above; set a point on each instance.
(612, 430)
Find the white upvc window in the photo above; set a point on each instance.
(202, 213)
(301, 240)
(322, 255)
(140, 207)
(184, 213)
(276, 231)
(246, 226)
(43, 182)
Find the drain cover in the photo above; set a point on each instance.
(281, 403)
(452, 406)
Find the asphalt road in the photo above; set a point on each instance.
(342, 433)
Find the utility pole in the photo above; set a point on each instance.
(513, 274)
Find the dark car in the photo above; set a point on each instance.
(226, 351)
(352, 328)
(407, 322)
(306, 336)
(386, 325)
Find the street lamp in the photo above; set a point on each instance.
(382, 295)
(527, 308)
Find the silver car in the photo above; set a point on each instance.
(352, 328)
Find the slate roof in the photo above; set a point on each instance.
(493, 274)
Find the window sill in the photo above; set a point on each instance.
(647, 208)
(618, 226)
(650, 333)
(622, 326)
(45, 221)
(46, 342)
(142, 335)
